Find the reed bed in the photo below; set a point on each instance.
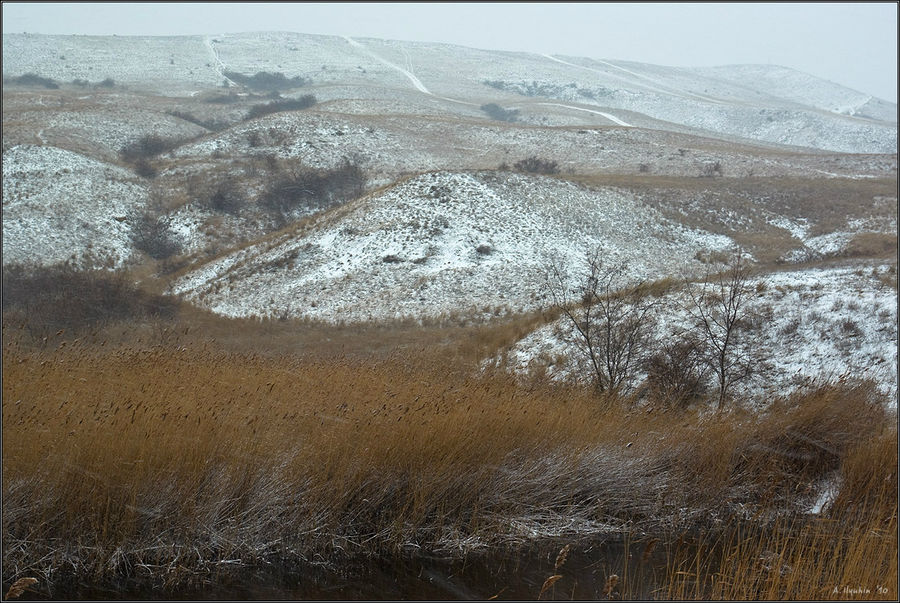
(165, 463)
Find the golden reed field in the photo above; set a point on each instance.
(159, 462)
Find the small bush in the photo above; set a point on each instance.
(391, 259)
(497, 112)
(849, 328)
(535, 165)
(304, 102)
(148, 146)
(711, 169)
(264, 80)
(107, 83)
(312, 189)
(152, 234)
(225, 197)
(676, 374)
(484, 249)
(32, 79)
(145, 169)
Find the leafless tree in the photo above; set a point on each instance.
(610, 317)
(719, 308)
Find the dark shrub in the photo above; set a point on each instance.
(711, 169)
(264, 80)
(153, 235)
(676, 373)
(535, 165)
(32, 79)
(107, 83)
(145, 169)
(312, 189)
(304, 102)
(225, 197)
(497, 112)
(49, 298)
(148, 146)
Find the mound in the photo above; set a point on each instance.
(438, 244)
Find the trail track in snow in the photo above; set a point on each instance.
(611, 118)
(407, 72)
(219, 65)
(657, 87)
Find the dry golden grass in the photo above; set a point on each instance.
(122, 460)
(872, 244)
(850, 552)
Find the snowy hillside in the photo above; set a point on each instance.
(767, 104)
(42, 225)
(439, 244)
(815, 325)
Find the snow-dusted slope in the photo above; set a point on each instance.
(58, 205)
(439, 244)
(803, 89)
(764, 103)
(815, 325)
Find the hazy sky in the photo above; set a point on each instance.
(853, 44)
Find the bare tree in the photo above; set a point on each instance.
(719, 307)
(610, 317)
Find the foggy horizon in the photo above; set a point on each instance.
(851, 44)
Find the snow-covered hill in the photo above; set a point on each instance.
(814, 325)
(762, 103)
(42, 224)
(659, 166)
(441, 244)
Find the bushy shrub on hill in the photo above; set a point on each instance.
(32, 79)
(312, 189)
(49, 298)
(148, 146)
(497, 112)
(536, 165)
(264, 80)
(152, 233)
(221, 195)
(289, 104)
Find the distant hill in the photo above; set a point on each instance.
(751, 102)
